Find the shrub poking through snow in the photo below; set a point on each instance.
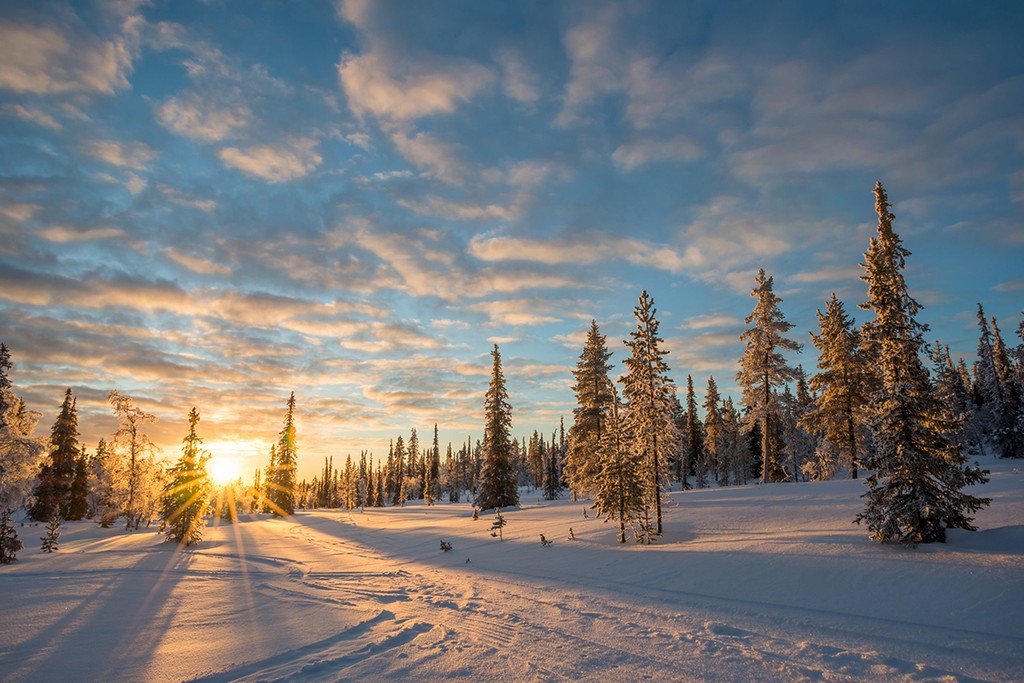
(445, 546)
(498, 524)
(10, 544)
(52, 534)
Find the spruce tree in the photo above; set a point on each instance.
(842, 383)
(10, 544)
(915, 490)
(53, 491)
(497, 487)
(1008, 412)
(78, 496)
(186, 498)
(5, 380)
(651, 398)
(620, 487)
(764, 369)
(694, 436)
(283, 488)
(713, 426)
(52, 534)
(593, 398)
(732, 448)
(552, 482)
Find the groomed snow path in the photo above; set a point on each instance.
(748, 583)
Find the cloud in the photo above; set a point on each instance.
(31, 114)
(434, 205)
(533, 311)
(48, 60)
(404, 90)
(827, 274)
(274, 164)
(63, 234)
(711, 321)
(440, 159)
(182, 199)
(196, 264)
(597, 65)
(589, 248)
(132, 155)
(1010, 286)
(518, 81)
(633, 155)
(194, 118)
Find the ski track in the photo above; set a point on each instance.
(582, 634)
(371, 598)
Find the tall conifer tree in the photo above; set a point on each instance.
(620, 488)
(283, 487)
(651, 398)
(187, 494)
(764, 369)
(915, 491)
(842, 383)
(57, 476)
(498, 484)
(593, 399)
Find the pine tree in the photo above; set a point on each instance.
(10, 544)
(53, 491)
(593, 398)
(497, 487)
(498, 524)
(282, 489)
(732, 447)
(695, 437)
(620, 488)
(764, 369)
(102, 498)
(6, 393)
(650, 393)
(186, 497)
(798, 448)
(1008, 411)
(52, 534)
(131, 437)
(552, 482)
(78, 496)
(713, 427)
(842, 385)
(915, 491)
(399, 492)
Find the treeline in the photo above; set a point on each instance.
(872, 404)
(412, 473)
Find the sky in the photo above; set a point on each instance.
(215, 203)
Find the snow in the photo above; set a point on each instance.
(749, 583)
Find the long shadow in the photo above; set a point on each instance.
(590, 567)
(112, 633)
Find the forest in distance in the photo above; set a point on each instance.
(884, 403)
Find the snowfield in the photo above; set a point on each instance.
(748, 583)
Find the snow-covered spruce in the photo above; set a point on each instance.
(915, 491)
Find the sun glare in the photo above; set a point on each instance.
(223, 469)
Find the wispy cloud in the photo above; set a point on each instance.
(274, 163)
(47, 59)
(131, 155)
(196, 264)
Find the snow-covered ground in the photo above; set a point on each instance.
(748, 583)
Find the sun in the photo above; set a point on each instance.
(223, 469)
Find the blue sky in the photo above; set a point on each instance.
(215, 203)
